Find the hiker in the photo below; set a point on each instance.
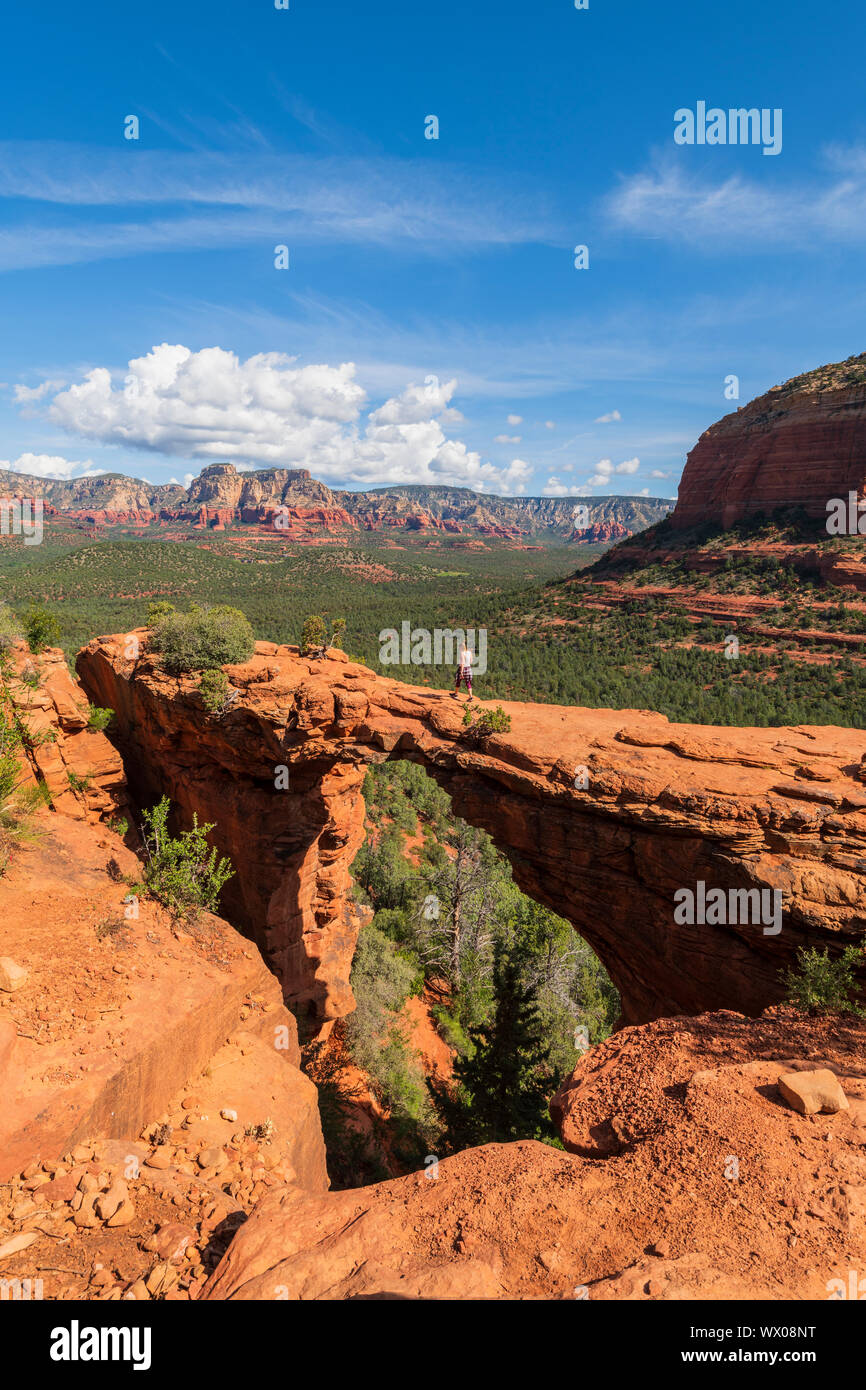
(464, 669)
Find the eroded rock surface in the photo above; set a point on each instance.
(666, 807)
(712, 1189)
(799, 445)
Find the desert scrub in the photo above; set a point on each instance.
(214, 690)
(203, 638)
(822, 985)
(17, 803)
(41, 629)
(80, 785)
(183, 871)
(99, 718)
(9, 630)
(314, 637)
(480, 726)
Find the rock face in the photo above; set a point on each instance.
(108, 1008)
(800, 445)
(709, 1189)
(666, 808)
(79, 767)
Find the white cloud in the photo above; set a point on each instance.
(52, 466)
(191, 200)
(507, 439)
(605, 469)
(25, 394)
(644, 492)
(606, 419)
(549, 425)
(657, 473)
(515, 420)
(743, 214)
(554, 488)
(210, 405)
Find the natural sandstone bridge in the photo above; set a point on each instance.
(666, 806)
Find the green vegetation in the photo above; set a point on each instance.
(80, 785)
(314, 635)
(482, 723)
(182, 872)
(214, 689)
(99, 718)
(821, 984)
(17, 803)
(202, 638)
(548, 637)
(501, 973)
(41, 629)
(504, 1076)
(9, 628)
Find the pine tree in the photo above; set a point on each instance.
(504, 1078)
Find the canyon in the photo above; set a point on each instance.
(159, 1129)
(162, 1143)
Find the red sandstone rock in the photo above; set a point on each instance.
(714, 1176)
(666, 806)
(799, 445)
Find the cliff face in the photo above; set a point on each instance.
(800, 445)
(666, 807)
(120, 1007)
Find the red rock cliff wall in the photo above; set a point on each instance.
(781, 450)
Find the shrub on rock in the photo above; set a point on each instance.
(203, 638)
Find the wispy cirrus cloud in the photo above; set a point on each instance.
(252, 195)
(742, 214)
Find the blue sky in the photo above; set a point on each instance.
(431, 326)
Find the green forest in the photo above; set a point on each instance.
(544, 643)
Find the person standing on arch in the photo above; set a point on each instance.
(464, 669)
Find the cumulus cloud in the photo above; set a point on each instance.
(550, 425)
(507, 439)
(52, 466)
(606, 419)
(657, 473)
(604, 471)
(515, 420)
(24, 395)
(554, 488)
(267, 411)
